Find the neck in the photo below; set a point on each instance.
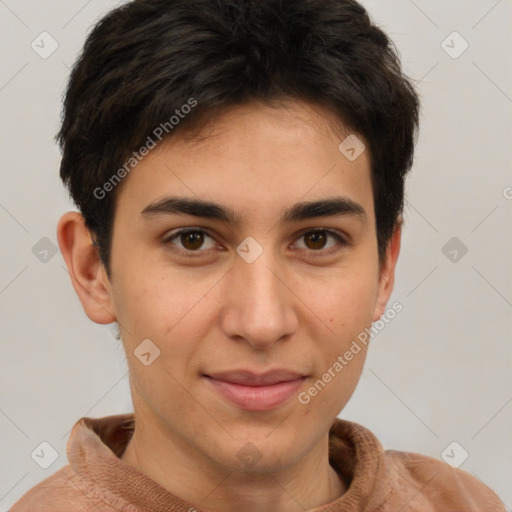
(308, 484)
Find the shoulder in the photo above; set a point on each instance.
(431, 484)
(62, 491)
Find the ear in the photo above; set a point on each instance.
(87, 273)
(387, 272)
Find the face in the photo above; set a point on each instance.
(253, 287)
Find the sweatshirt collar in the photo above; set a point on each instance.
(95, 445)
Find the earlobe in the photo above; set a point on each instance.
(87, 273)
(387, 272)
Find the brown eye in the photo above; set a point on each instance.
(192, 240)
(318, 241)
(315, 240)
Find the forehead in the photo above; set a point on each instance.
(286, 119)
(254, 159)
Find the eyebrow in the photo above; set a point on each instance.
(329, 207)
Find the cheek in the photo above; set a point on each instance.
(154, 300)
(327, 394)
(172, 318)
(170, 312)
(346, 308)
(346, 303)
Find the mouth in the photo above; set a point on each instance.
(256, 392)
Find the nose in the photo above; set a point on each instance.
(259, 304)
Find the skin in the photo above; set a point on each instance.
(295, 307)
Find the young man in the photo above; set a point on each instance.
(239, 170)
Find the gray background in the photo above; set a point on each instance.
(439, 372)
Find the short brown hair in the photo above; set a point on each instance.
(148, 58)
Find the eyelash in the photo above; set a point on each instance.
(200, 253)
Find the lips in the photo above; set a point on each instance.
(248, 378)
(256, 392)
